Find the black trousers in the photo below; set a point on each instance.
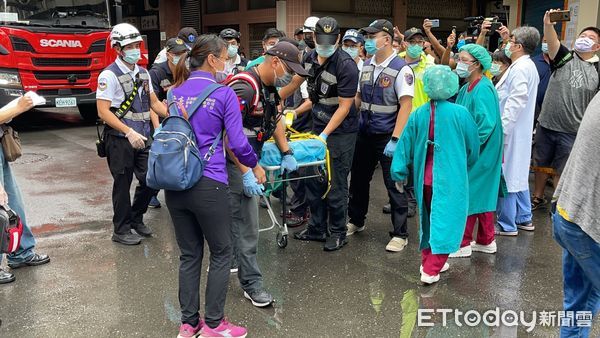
(329, 215)
(369, 152)
(124, 161)
(200, 213)
(299, 204)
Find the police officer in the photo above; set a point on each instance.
(235, 63)
(332, 85)
(187, 34)
(385, 94)
(124, 98)
(257, 94)
(161, 75)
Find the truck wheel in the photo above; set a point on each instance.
(88, 112)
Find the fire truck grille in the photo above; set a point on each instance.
(61, 62)
(68, 76)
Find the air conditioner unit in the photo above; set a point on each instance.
(151, 5)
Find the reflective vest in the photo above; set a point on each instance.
(138, 117)
(380, 105)
(322, 90)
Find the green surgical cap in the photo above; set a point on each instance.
(440, 82)
(479, 53)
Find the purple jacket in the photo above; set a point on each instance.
(220, 110)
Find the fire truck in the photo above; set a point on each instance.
(56, 48)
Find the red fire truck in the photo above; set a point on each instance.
(56, 48)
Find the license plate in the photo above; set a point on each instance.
(62, 102)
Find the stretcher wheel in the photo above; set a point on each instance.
(282, 240)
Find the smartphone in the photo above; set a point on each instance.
(454, 30)
(435, 23)
(560, 16)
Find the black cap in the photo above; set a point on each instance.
(176, 45)
(230, 33)
(298, 30)
(381, 25)
(326, 31)
(272, 33)
(412, 32)
(290, 55)
(188, 35)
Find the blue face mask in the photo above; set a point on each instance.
(371, 46)
(507, 51)
(495, 69)
(352, 51)
(132, 56)
(325, 50)
(460, 43)
(462, 70)
(232, 51)
(414, 51)
(176, 59)
(544, 48)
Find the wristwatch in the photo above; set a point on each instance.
(394, 138)
(288, 152)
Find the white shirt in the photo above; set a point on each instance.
(162, 56)
(405, 81)
(109, 88)
(231, 65)
(517, 90)
(360, 65)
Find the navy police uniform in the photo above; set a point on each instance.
(115, 84)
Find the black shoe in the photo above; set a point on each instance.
(387, 209)
(306, 235)
(142, 229)
(6, 277)
(292, 220)
(127, 239)
(262, 203)
(538, 203)
(34, 260)
(335, 243)
(259, 298)
(412, 211)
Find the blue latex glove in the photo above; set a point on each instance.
(251, 188)
(289, 163)
(323, 136)
(390, 148)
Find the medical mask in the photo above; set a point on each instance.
(507, 51)
(325, 50)
(283, 80)
(176, 59)
(544, 48)
(460, 43)
(352, 51)
(584, 45)
(132, 56)
(495, 69)
(232, 50)
(371, 46)
(310, 42)
(462, 70)
(301, 45)
(414, 51)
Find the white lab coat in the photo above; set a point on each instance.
(517, 91)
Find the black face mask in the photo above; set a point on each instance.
(309, 42)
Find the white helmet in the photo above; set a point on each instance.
(124, 34)
(309, 24)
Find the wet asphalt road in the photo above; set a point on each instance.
(96, 288)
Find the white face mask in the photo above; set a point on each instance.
(584, 44)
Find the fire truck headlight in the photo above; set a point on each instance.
(10, 80)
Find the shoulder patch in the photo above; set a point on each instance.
(409, 78)
(102, 84)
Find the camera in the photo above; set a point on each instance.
(475, 22)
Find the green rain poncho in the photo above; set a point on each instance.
(456, 148)
(484, 176)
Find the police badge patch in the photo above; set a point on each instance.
(385, 81)
(102, 84)
(409, 78)
(324, 88)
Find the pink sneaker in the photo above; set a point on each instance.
(188, 331)
(225, 329)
